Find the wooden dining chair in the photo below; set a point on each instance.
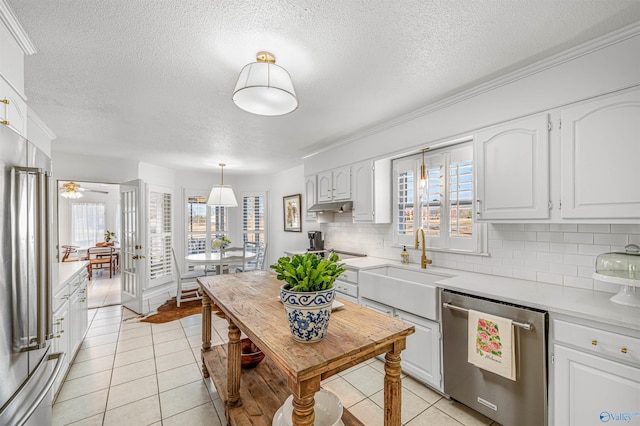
(99, 257)
(66, 252)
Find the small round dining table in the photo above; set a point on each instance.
(213, 259)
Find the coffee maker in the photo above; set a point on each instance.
(316, 242)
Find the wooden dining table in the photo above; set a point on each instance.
(251, 305)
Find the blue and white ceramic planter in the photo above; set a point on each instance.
(308, 313)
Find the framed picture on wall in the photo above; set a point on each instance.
(291, 213)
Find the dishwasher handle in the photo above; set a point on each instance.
(525, 326)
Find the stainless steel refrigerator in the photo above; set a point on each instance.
(27, 366)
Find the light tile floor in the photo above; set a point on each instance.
(104, 291)
(137, 373)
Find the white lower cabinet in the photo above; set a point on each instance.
(69, 320)
(596, 376)
(347, 285)
(422, 357)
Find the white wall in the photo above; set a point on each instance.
(112, 210)
(93, 168)
(288, 182)
(605, 65)
(561, 254)
(557, 253)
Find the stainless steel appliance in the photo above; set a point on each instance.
(28, 368)
(316, 243)
(522, 402)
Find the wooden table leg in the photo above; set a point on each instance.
(233, 365)
(206, 330)
(303, 402)
(393, 386)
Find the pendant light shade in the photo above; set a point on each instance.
(222, 195)
(264, 88)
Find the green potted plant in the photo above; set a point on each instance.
(308, 293)
(108, 236)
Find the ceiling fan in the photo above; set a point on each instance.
(74, 191)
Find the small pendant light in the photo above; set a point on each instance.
(222, 195)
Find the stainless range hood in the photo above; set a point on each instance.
(338, 206)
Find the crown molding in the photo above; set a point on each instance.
(11, 21)
(586, 48)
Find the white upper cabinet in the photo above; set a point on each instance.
(512, 163)
(372, 191)
(600, 145)
(334, 185)
(13, 109)
(13, 104)
(310, 183)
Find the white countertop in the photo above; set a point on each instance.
(67, 270)
(587, 304)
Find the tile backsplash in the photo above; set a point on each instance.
(561, 254)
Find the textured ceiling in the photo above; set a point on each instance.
(151, 80)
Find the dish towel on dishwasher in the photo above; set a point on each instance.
(490, 344)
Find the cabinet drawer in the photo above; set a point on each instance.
(60, 298)
(350, 275)
(598, 341)
(344, 287)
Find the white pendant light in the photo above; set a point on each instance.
(222, 195)
(264, 88)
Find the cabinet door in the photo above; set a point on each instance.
(421, 359)
(60, 341)
(599, 163)
(592, 390)
(75, 315)
(342, 183)
(13, 109)
(363, 207)
(325, 187)
(310, 197)
(512, 163)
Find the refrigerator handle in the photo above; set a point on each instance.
(45, 331)
(43, 321)
(59, 357)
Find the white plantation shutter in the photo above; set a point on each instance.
(160, 237)
(444, 206)
(405, 193)
(204, 223)
(253, 218)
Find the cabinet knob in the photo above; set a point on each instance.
(58, 336)
(5, 101)
(594, 342)
(623, 350)
(5, 122)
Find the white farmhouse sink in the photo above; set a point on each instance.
(405, 289)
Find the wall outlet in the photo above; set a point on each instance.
(380, 243)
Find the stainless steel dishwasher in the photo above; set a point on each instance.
(522, 402)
